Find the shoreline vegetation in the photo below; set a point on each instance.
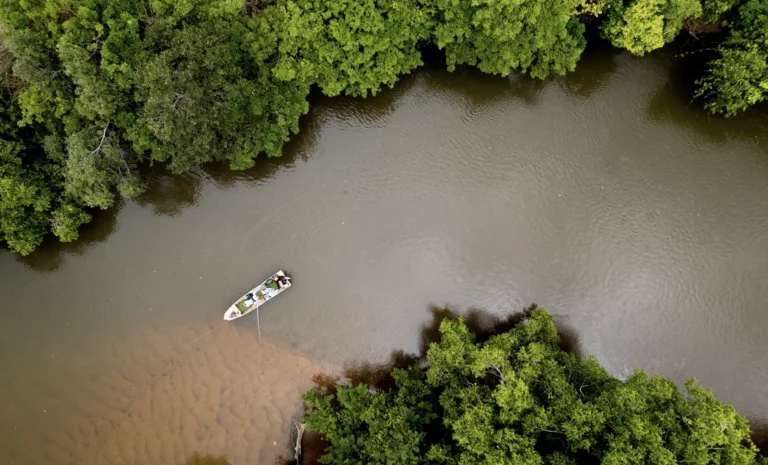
(518, 393)
(95, 91)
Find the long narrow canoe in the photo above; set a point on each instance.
(258, 296)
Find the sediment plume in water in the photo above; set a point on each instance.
(165, 400)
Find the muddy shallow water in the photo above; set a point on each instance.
(604, 196)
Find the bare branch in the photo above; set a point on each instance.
(299, 434)
(548, 430)
(101, 142)
(500, 374)
(177, 98)
(582, 387)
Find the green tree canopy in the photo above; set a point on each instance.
(738, 77)
(538, 37)
(212, 95)
(354, 46)
(32, 198)
(518, 398)
(109, 84)
(641, 26)
(105, 87)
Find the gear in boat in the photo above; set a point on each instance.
(265, 291)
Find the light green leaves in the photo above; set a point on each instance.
(369, 427)
(645, 25)
(539, 37)
(352, 46)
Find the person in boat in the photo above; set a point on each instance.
(281, 280)
(249, 300)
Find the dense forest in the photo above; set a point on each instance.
(94, 90)
(518, 398)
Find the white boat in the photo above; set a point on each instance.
(259, 295)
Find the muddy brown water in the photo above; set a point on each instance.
(639, 221)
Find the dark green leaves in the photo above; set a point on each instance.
(213, 96)
(369, 427)
(25, 199)
(32, 198)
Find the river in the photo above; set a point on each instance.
(639, 221)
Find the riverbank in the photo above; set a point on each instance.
(218, 82)
(638, 220)
(518, 395)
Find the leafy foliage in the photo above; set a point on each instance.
(105, 87)
(517, 398)
(540, 37)
(206, 99)
(354, 46)
(108, 84)
(641, 26)
(738, 78)
(32, 201)
(713, 9)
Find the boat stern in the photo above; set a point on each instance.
(232, 313)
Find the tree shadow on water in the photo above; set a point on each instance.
(52, 253)
(760, 435)
(485, 90)
(299, 148)
(481, 323)
(169, 194)
(593, 71)
(378, 376)
(675, 103)
(198, 459)
(369, 111)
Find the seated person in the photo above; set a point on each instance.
(281, 281)
(249, 300)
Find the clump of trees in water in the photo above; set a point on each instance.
(93, 89)
(518, 398)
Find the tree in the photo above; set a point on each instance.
(538, 37)
(641, 26)
(518, 398)
(32, 201)
(103, 87)
(353, 46)
(738, 77)
(213, 95)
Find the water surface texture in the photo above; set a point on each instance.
(636, 219)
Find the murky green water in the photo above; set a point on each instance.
(635, 218)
